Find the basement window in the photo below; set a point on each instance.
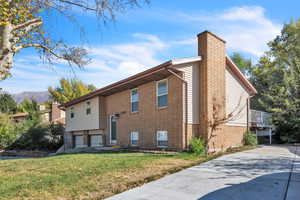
(162, 138)
(134, 138)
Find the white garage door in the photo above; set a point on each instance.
(96, 140)
(79, 141)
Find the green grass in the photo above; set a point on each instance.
(86, 176)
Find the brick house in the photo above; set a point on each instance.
(165, 106)
(52, 115)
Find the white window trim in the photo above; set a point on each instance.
(138, 135)
(157, 139)
(167, 93)
(131, 101)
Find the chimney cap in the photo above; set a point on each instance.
(208, 32)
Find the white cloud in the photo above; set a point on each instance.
(252, 34)
(128, 58)
(248, 29)
(245, 29)
(110, 63)
(244, 13)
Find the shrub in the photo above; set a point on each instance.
(250, 139)
(197, 146)
(8, 133)
(36, 135)
(40, 137)
(56, 134)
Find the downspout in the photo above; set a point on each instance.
(248, 111)
(186, 103)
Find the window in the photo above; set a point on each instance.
(88, 107)
(162, 93)
(96, 140)
(134, 99)
(134, 138)
(162, 138)
(72, 114)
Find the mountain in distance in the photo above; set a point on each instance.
(40, 97)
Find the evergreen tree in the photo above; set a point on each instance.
(8, 134)
(28, 106)
(7, 104)
(244, 64)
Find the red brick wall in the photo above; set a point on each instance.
(55, 112)
(149, 118)
(227, 136)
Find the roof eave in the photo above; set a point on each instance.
(116, 84)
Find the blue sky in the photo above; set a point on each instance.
(145, 37)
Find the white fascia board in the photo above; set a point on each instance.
(179, 61)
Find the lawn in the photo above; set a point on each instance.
(85, 176)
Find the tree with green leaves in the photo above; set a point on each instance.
(7, 131)
(32, 108)
(29, 106)
(7, 104)
(244, 64)
(277, 79)
(22, 26)
(69, 90)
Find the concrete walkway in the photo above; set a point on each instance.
(11, 157)
(267, 173)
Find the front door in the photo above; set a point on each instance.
(113, 129)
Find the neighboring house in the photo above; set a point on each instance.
(165, 106)
(52, 115)
(19, 117)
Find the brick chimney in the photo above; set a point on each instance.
(212, 80)
(55, 112)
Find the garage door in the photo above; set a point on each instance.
(79, 142)
(96, 140)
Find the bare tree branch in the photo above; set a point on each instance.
(49, 50)
(23, 27)
(79, 5)
(29, 24)
(216, 122)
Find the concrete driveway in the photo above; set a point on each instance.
(267, 173)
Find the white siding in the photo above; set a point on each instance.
(81, 120)
(236, 99)
(191, 75)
